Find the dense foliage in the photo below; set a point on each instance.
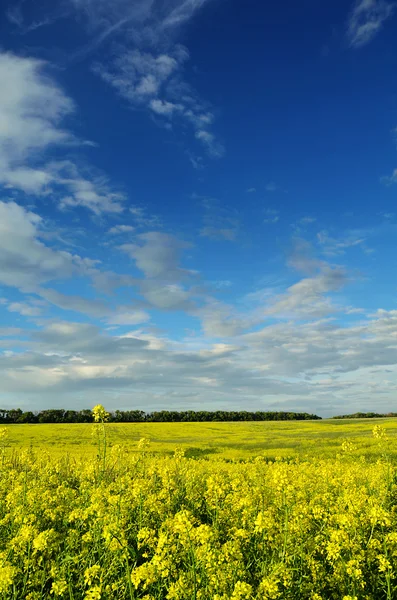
(367, 415)
(127, 526)
(16, 415)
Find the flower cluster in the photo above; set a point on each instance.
(176, 528)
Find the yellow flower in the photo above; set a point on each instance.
(7, 576)
(384, 564)
(379, 432)
(93, 593)
(42, 540)
(59, 588)
(91, 574)
(242, 591)
(99, 413)
(143, 444)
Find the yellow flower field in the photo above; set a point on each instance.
(135, 525)
(238, 440)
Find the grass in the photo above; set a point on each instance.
(210, 440)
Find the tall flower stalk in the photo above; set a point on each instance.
(101, 417)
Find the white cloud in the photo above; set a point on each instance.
(93, 193)
(153, 80)
(88, 306)
(271, 187)
(308, 298)
(366, 20)
(164, 286)
(119, 229)
(390, 179)
(221, 222)
(24, 309)
(162, 107)
(214, 148)
(166, 296)
(139, 76)
(301, 365)
(143, 75)
(272, 215)
(157, 255)
(128, 317)
(221, 320)
(25, 261)
(31, 113)
(333, 247)
(31, 116)
(142, 219)
(215, 233)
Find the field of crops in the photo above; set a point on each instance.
(128, 518)
(210, 440)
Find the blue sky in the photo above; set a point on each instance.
(197, 205)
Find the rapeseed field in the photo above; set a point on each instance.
(238, 440)
(141, 524)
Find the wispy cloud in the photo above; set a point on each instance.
(120, 229)
(153, 80)
(33, 112)
(146, 66)
(366, 20)
(390, 179)
(220, 222)
(272, 215)
(301, 224)
(337, 246)
(140, 72)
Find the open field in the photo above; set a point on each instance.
(212, 440)
(111, 517)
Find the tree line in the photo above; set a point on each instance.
(367, 415)
(59, 415)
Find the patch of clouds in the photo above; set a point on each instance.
(309, 297)
(32, 113)
(287, 349)
(220, 222)
(307, 365)
(91, 307)
(214, 233)
(389, 180)
(24, 309)
(334, 247)
(25, 261)
(222, 320)
(145, 76)
(93, 193)
(301, 225)
(127, 316)
(152, 80)
(165, 283)
(272, 216)
(29, 265)
(366, 20)
(142, 219)
(157, 255)
(120, 229)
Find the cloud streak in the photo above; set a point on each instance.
(32, 117)
(366, 21)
